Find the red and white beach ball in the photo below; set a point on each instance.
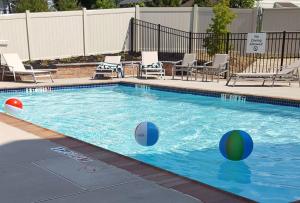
(13, 106)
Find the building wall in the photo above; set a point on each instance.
(280, 19)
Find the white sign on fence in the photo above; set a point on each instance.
(256, 43)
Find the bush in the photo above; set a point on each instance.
(105, 4)
(232, 3)
(31, 5)
(163, 3)
(242, 4)
(223, 16)
(66, 5)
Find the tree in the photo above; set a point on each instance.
(31, 5)
(105, 4)
(203, 3)
(66, 5)
(163, 3)
(232, 3)
(87, 3)
(242, 3)
(223, 16)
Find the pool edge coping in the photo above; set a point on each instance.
(187, 186)
(275, 100)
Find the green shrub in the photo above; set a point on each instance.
(242, 4)
(105, 4)
(31, 5)
(66, 5)
(223, 16)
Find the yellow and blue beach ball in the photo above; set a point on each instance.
(146, 134)
(236, 145)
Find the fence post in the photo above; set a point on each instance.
(84, 30)
(195, 19)
(131, 34)
(282, 48)
(227, 52)
(190, 42)
(158, 38)
(28, 26)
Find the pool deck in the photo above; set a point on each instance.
(280, 90)
(33, 172)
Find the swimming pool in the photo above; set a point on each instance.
(190, 129)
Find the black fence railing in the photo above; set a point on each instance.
(282, 48)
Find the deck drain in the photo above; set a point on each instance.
(71, 154)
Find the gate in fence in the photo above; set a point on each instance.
(281, 48)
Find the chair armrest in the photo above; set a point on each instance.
(30, 66)
(194, 63)
(207, 63)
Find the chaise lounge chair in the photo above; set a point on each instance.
(111, 64)
(15, 67)
(284, 73)
(150, 65)
(185, 65)
(218, 66)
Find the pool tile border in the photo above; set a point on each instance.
(218, 94)
(198, 190)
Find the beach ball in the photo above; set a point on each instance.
(236, 145)
(13, 106)
(146, 134)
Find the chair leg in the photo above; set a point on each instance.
(235, 79)
(273, 81)
(228, 80)
(264, 82)
(2, 74)
(15, 79)
(51, 78)
(173, 72)
(181, 74)
(34, 79)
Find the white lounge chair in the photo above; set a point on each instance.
(15, 67)
(111, 64)
(150, 66)
(218, 66)
(284, 73)
(184, 65)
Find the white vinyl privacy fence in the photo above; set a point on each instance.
(53, 35)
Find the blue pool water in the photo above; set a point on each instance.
(190, 129)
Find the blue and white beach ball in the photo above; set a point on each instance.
(146, 134)
(236, 145)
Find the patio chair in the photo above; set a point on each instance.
(218, 66)
(283, 73)
(184, 65)
(111, 64)
(150, 66)
(14, 67)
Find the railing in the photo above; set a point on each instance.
(282, 48)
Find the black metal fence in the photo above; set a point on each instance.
(282, 48)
